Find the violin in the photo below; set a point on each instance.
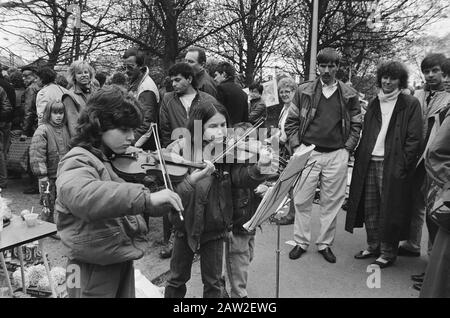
(141, 163)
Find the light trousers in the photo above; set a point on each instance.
(331, 170)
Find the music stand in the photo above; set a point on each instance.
(277, 196)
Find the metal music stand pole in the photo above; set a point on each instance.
(278, 251)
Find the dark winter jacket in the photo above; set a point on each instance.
(173, 115)
(11, 96)
(206, 84)
(402, 150)
(6, 109)
(258, 111)
(209, 209)
(235, 101)
(30, 120)
(306, 100)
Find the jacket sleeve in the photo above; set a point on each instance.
(150, 110)
(292, 125)
(30, 111)
(72, 113)
(164, 124)
(259, 111)
(355, 123)
(413, 137)
(209, 88)
(38, 152)
(87, 197)
(5, 106)
(243, 176)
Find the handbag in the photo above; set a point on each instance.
(440, 214)
(17, 159)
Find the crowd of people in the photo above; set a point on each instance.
(79, 123)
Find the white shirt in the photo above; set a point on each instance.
(328, 90)
(187, 100)
(387, 108)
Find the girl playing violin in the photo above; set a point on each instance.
(100, 216)
(208, 210)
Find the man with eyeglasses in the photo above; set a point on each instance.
(434, 101)
(144, 89)
(325, 113)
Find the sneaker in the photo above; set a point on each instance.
(405, 252)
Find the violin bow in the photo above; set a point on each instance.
(162, 162)
(248, 133)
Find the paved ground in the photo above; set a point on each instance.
(309, 276)
(312, 277)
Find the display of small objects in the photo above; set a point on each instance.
(36, 277)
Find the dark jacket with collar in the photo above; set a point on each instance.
(258, 111)
(206, 84)
(306, 100)
(438, 159)
(173, 115)
(402, 150)
(30, 120)
(235, 101)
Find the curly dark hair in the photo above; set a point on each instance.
(184, 70)
(111, 107)
(227, 68)
(394, 70)
(47, 75)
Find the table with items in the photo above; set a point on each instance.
(19, 233)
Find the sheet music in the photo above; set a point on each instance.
(277, 194)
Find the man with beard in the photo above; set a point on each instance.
(144, 89)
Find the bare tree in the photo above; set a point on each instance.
(259, 34)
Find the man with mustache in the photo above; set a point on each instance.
(144, 89)
(325, 113)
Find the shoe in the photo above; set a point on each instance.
(404, 252)
(417, 286)
(296, 252)
(31, 191)
(383, 263)
(328, 255)
(366, 254)
(286, 220)
(418, 278)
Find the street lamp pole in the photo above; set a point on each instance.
(314, 38)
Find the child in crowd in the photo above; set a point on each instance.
(100, 216)
(209, 209)
(49, 144)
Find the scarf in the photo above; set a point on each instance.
(391, 97)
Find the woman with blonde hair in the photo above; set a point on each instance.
(80, 76)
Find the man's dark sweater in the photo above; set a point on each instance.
(325, 130)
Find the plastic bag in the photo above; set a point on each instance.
(145, 288)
